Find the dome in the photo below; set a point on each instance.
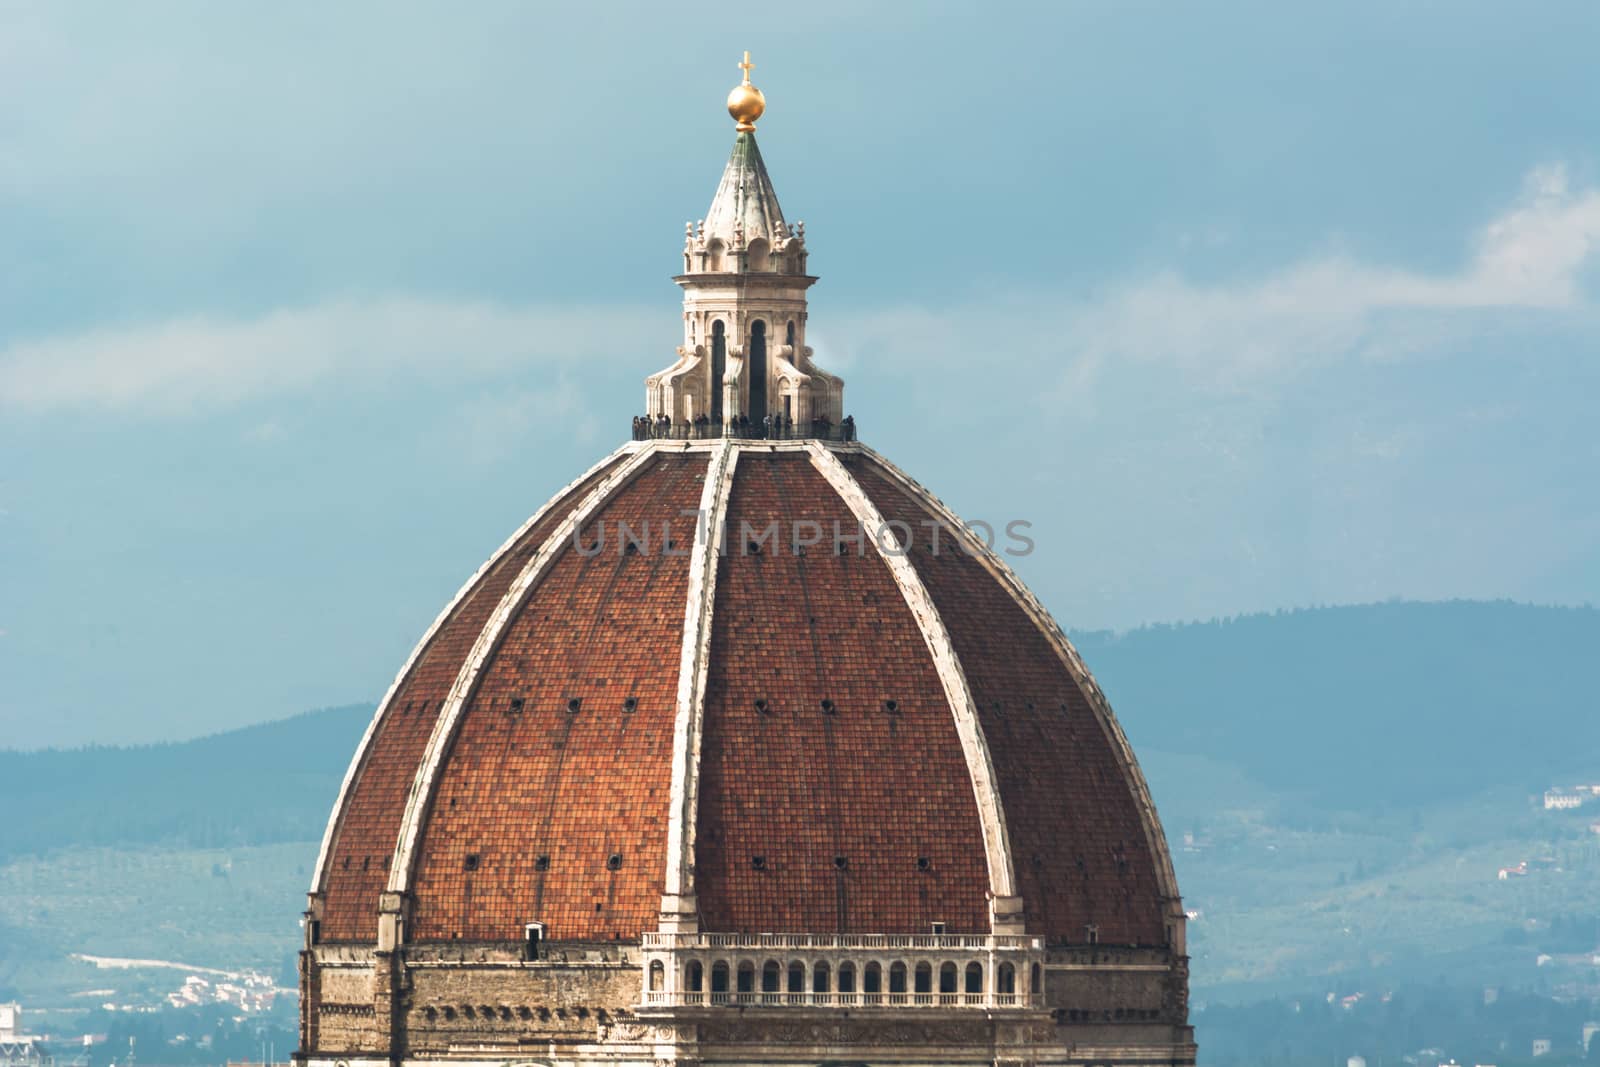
(804, 728)
(743, 749)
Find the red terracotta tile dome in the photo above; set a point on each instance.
(626, 720)
(743, 750)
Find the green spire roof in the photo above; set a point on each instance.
(744, 195)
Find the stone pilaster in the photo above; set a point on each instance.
(389, 977)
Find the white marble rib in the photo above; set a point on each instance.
(980, 766)
(1155, 836)
(353, 771)
(677, 905)
(466, 683)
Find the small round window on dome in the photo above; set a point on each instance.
(573, 705)
(614, 862)
(891, 706)
(630, 704)
(541, 863)
(828, 706)
(763, 706)
(471, 862)
(841, 862)
(758, 862)
(924, 863)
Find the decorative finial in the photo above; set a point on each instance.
(746, 103)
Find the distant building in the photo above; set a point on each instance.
(1589, 1030)
(1356, 1061)
(18, 1049)
(1507, 873)
(1562, 799)
(1541, 1046)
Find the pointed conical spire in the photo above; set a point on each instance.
(745, 206)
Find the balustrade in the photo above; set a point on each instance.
(951, 971)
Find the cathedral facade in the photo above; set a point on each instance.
(743, 749)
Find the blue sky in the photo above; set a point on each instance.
(304, 307)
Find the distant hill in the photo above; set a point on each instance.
(1350, 707)
(260, 785)
(1370, 706)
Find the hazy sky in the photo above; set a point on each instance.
(303, 307)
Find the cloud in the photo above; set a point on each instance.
(1238, 335)
(1338, 428)
(1532, 257)
(202, 363)
(492, 427)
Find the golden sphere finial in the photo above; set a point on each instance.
(746, 103)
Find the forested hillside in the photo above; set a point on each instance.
(1375, 706)
(260, 785)
(1340, 786)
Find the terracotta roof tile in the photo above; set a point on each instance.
(578, 787)
(799, 786)
(1077, 839)
(358, 863)
(810, 819)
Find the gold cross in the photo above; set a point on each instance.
(746, 66)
